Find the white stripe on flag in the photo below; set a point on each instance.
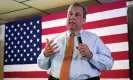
(106, 14)
(90, 17)
(123, 64)
(116, 47)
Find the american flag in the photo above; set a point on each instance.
(25, 39)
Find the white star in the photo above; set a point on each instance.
(24, 24)
(15, 29)
(34, 35)
(21, 46)
(6, 27)
(21, 55)
(6, 35)
(5, 60)
(15, 46)
(18, 59)
(18, 50)
(9, 38)
(24, 33)
(31, 32)
(12, 42)
(12, 34)
(12, 60)
(34, 45)
(15, 55)
(38, 39)
(6, 52)
(18, 25)
(12, 51)
(21, 29)
(31, 23)
(9, 30)
(38, 30)
(18, 33)
(27, 45)
(31, 59)
(38, 22)
(18, 42)
(24, 50)
(9, 56)
(28, 28)
(24, 41)
(9, 47)
(28, 54)
(12, 26)
(15, 38)
(34, 54)
(6, 43)
(21, 37)
(24, 59)
(34, 27)
(31, 49)
(31, 41)
(27, 37)
(38, 49)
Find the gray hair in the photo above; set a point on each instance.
(76, 4)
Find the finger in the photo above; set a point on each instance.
(81, 50)
(54, 48)
(50, 42)
(53, 45)
(56, 52)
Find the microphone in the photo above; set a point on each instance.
(79, 38)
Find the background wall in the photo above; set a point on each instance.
(130, 36)
(1, 51)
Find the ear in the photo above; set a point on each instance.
(84, 20)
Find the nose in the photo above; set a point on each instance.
(72, 16)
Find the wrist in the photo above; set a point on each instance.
(89, 55)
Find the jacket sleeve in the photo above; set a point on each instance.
(43, 61)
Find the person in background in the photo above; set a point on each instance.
(75, 54)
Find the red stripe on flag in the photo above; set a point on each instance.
(108, 6)
(124, 55)
(89, 25)
(106, 22)
(54, 16)
(115, 74)
(41, 74)
(114, 38)
(54, 30)
(43, 45)
(32, 74)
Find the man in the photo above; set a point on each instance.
(88, 56)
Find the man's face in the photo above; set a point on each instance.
(75, 20)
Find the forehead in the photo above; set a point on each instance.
(75, 9)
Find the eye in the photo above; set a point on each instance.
(70, 14)
(78, 14)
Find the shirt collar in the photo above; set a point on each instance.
(68, 32)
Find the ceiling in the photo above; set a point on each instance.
(11, 10)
